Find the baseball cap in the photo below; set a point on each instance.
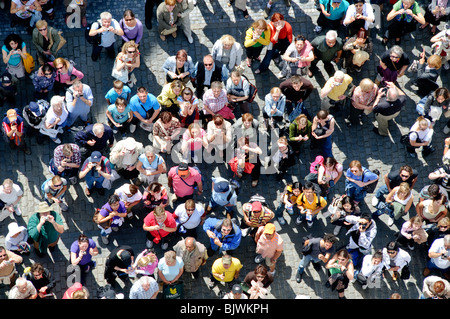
(256, 206)
(337, 1)
(269, 228)
(34, 107)
(237, 289)
(96, 156)
(183, 169)
(221, 187)
(6, 79)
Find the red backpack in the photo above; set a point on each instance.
(314, 167)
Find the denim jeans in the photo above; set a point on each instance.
(305, 262)
(213, 204)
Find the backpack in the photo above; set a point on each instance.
(96, 39)
(33, 119)
(371, 187)
(314, 167)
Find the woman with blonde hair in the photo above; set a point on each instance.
(193, 141)
(363, 99)
(66, 74)
(126, 62)
(170, 268)
(400, 200)
(227, 52)
(256, 38)
(420, 135)
(47, 41)
(168, 98)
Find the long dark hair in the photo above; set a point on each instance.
(13, 37)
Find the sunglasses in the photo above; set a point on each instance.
(131, 52)
(208, 64)
(43, 29)
(48, 73)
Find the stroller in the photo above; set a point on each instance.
(34, 115)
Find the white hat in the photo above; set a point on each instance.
(130, 143)
(13, 229)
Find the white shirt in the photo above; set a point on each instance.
(438, 247)
(401, 259)
(108, 38)
(8, 199)
(189, 222)
(122, 192)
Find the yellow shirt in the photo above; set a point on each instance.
(303, 202)
(339, 90)
(218, 268)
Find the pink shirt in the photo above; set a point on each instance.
(194, 145)
(63, 78)
(266, 247)
(180, 188)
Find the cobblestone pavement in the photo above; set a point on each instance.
(211, 19)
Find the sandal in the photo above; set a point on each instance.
(249, 63)
(254, 183)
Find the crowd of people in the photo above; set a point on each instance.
(203, 114)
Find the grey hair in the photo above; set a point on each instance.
(331, 35)
(149, 150)
(397, 50)
(56, 100)
(105, 15)
(98, 128)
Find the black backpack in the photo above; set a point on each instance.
(96, 39)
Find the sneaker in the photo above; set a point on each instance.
(105, 240)
(446, 130)
(347, 122)
(73, 180)
(298, 277)
(211, 284)
(244, 232)
(318, 29)
(132, 128)
(390, 221)
(298, 221)
(164, 246)
(149, 244)
(190, 39)
(336, 230)
(115, 228)
(309, 224)
(115, 130)
(259, 259)
(413, 155)
(57, 140)
(280, 75)
(63, 207)
(411, 246)
(447, 66)
(281, 221)
(17, 211)
(375, 201)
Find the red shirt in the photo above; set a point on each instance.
(286, 32)
(150, 220)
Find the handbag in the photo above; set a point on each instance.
(95, 218)
(298, 109)
(371, 187)
(253, 90)
(121, 75)
(174, 291)
(28, 63)
(50, 132)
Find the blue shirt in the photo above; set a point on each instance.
(112, 95)
(142, 108)
(337, 13)
(117, 116)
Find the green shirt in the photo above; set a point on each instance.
(323, 51)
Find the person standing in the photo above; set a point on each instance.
(193, 254)
(107, 28)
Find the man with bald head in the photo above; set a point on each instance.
(206, 72)
(193, 254)
(387, 106)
